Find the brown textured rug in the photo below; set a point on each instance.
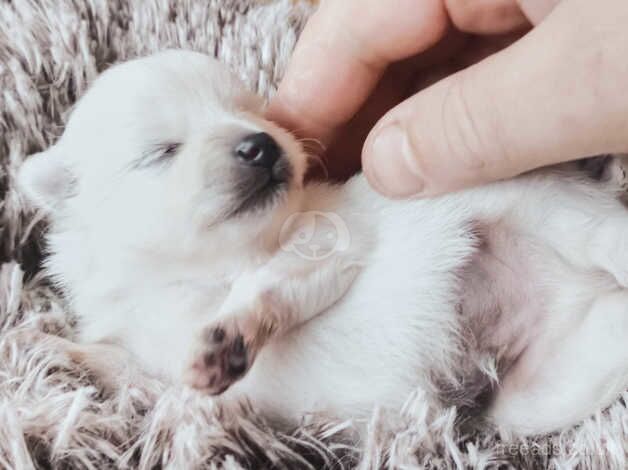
(53, 414)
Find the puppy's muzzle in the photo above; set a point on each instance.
(262, 169)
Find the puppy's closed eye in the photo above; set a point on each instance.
(157, 155)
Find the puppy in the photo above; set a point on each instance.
(182, 232)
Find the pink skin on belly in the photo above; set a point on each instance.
(502, 299)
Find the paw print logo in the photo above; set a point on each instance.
(314, 235)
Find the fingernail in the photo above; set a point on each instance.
(390, 165)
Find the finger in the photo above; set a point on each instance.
(341, 55)
(536, 10)
(486, 16)
(401, 80)
(520, 109)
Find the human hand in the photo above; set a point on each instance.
(553, 95)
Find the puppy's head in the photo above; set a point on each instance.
(168, 148)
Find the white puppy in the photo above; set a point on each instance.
(182, 232)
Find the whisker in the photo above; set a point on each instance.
(317, 142)
(318, 159)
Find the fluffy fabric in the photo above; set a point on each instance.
(52, 412)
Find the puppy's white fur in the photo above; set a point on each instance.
(155, 258)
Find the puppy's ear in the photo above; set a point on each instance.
(45, 179)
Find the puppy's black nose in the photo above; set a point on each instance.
(258, 150)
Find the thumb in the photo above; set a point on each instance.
(552, 96)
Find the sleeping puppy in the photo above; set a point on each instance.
(183, 234)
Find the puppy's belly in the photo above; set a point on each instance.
(519, 299)
(373, 348)
(397, 330)
(503, 296)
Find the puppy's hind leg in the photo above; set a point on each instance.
(110, 364)
(586, 225)
(564, 380)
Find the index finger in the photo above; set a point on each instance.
(341, 54)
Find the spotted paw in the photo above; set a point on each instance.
(222, 359)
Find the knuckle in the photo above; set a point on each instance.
(450, 148)
(466, 139)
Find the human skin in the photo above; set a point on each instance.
(553, 93)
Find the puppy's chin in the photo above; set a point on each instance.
(268, 197)
(262, 193)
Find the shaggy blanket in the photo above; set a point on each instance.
(53, 414)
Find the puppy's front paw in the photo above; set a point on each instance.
(222, 359)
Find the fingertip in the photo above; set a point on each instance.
(287, 113)
(390, 164)
(338, 61)
(487, 16)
